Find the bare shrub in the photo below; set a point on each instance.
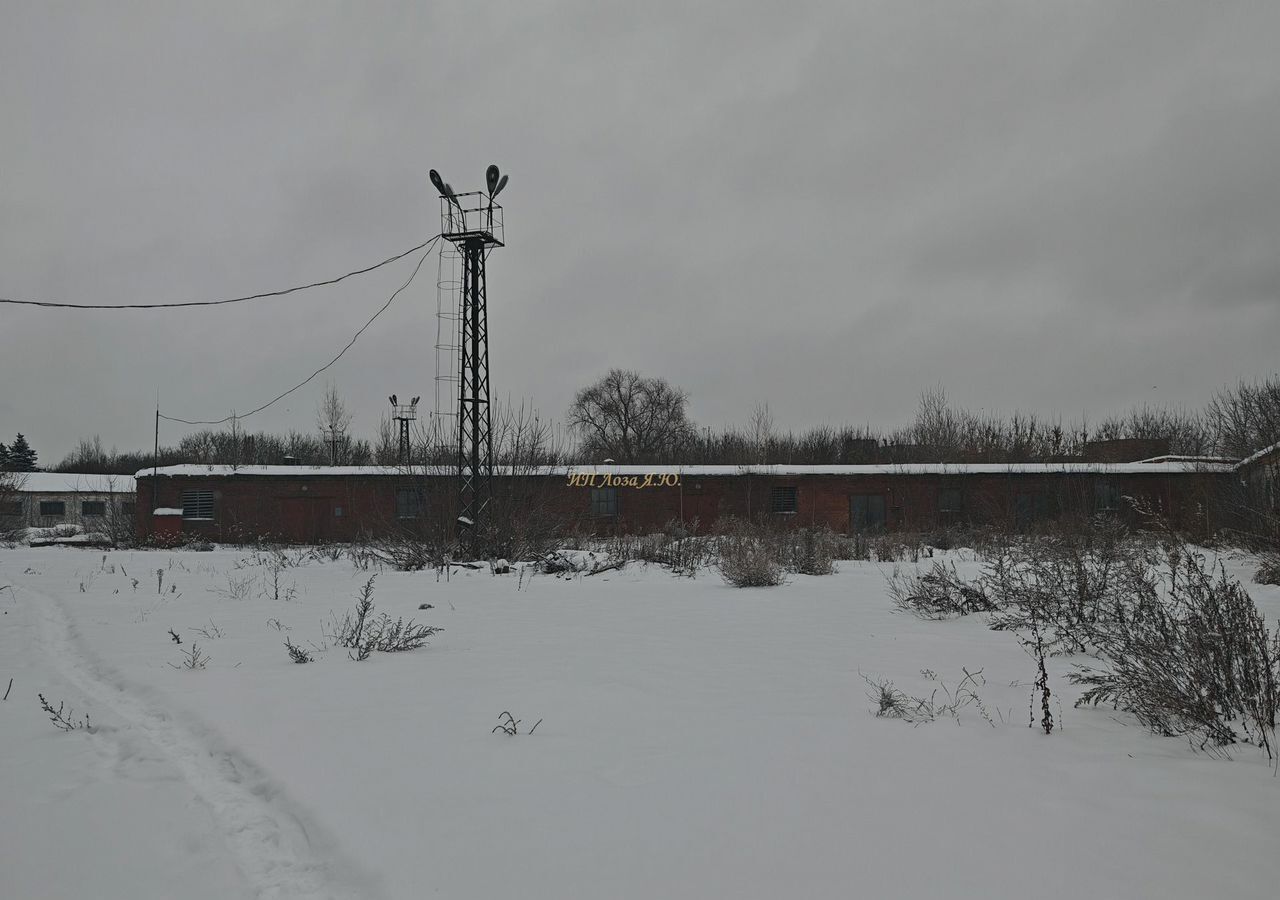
(63, 717)
(238, 587)
(272, 586)
(939, 593)
(1072, 583)
(1268, 570)
(1190, 655)
(747, 557)
(192, 658)
(510, 725)
(296, 653)
(1035, 647)
(405, 551)
(896, 547)
(363, 633)
(676, 547)
(809, 550)
(892, 703)
(855, 546)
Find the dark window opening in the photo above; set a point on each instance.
(197, 504)
(604, 501)
(866, 512)
(127, 509)
(950, 504)
(949, 501)
(93, 507)
(1106, 497)
(337, 512)
(53, 508)
(11, 508)
(783, 499)
(1030, 508)
(409, 503)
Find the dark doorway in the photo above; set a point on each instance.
(866, 512)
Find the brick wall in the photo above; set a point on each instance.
(317, 508)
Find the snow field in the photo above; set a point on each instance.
(697, 741)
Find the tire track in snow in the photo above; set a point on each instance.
(277, 854)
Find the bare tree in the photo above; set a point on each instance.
(760, 433)
(12, 515)
(333, 420)
(386, 448)
(1246, 418)
(631, 419)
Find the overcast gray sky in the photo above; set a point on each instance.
(1061, 207)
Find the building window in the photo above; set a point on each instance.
(604, 501)
(197, 504)
(127, 509)
(950, 502)
(93, 507)
(337, 512)
(409, 503)
(53, 508)
(1106, 497)
(866, 512)
(783, 499)
(1029, 509)
(11, 508)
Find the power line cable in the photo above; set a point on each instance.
(187, 303)
(429, 245)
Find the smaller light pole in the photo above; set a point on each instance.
(403, 414)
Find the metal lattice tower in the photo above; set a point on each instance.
(472, 222)
(403, 414)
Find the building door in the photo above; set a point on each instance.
(703, 508)
(303, 519)
(866, 512)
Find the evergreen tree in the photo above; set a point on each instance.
(21, 457)
(4, 457)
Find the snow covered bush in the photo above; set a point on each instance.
(1071, 583)
(578, 562)
(939, 593)
(1268, 570)
(676, 547)
(1190, 654)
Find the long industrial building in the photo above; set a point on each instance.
(308, 504)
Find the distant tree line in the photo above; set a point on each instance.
(627, 417)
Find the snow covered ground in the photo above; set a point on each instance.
(696, 741)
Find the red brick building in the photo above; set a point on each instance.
(296, 504)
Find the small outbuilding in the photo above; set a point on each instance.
(49, 499)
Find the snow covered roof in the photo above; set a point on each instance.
(1161, 467)
(72, 483)
(1225, 460)
(1265, 451)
